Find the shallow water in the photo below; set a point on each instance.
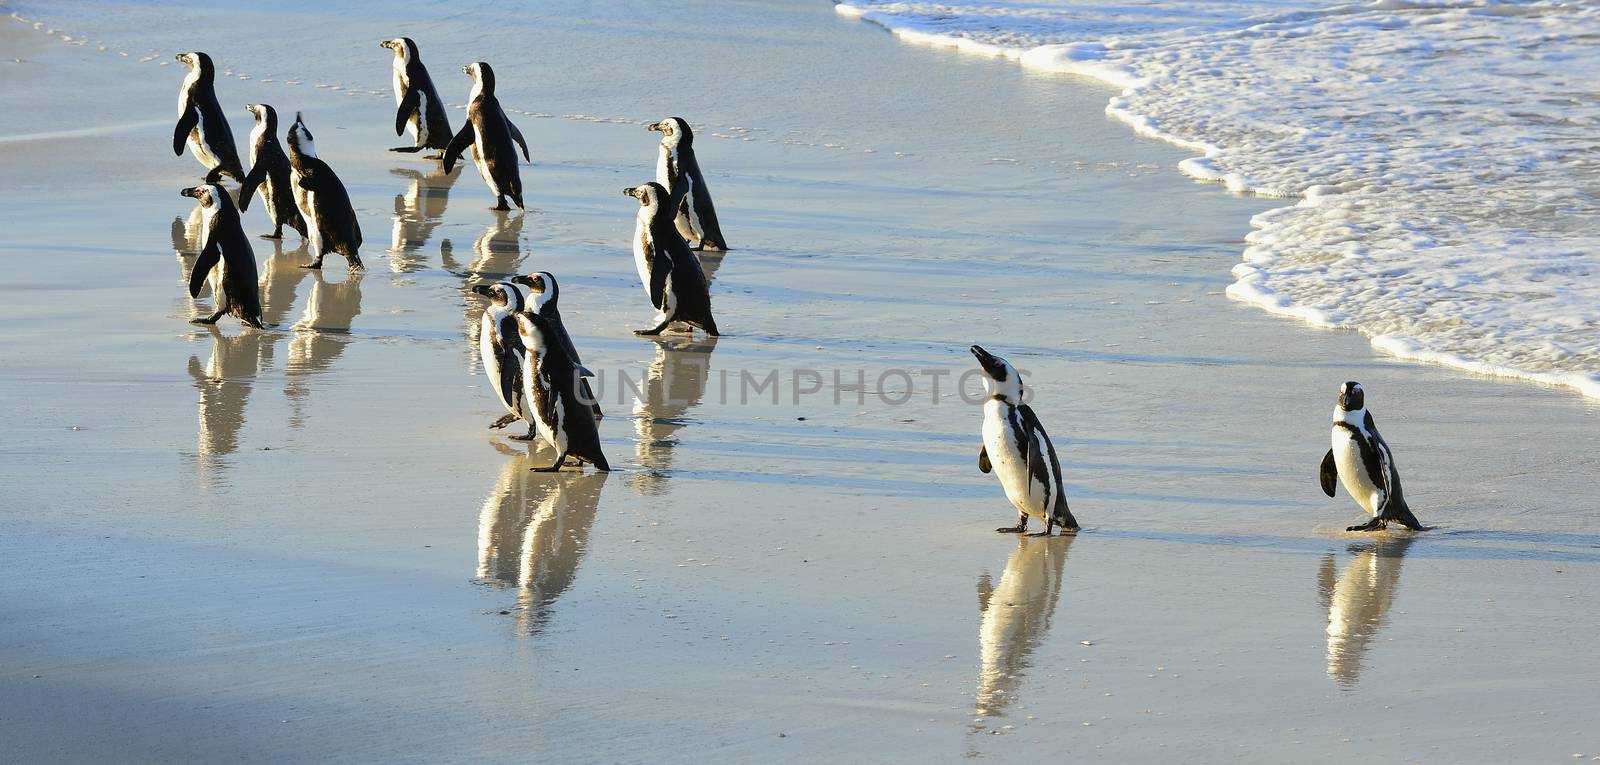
(302, 544)
(1438, 149)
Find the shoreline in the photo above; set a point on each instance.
(1064, 60)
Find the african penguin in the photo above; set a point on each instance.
(1361, 460)
(549, 381)
(1018, 450)
(500, 349)
(490, 134)
(669, 271)
(225, 257)
(677, 167)
(418, 106)
(331, 223)
(269, 171)
(544, 295)
(201, 123)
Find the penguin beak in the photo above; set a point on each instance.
(481, 289)
(467, 69)
(991, 365)
(522, 280)
(632, 191)
(654, 127)
(178, 57)
(190, 192)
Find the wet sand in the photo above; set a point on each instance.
(302, 544)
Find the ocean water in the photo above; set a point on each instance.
(1437, 159)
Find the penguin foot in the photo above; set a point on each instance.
(524, 437)
(647, 332)
(1376, 524)
(1044, 533)
(314, 265)
(502, 422)
(204, 322)
(556, 468)
(275, 235)
(1012, 529)
(408, 149)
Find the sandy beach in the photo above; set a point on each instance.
(302, 543)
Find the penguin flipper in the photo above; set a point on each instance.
(516, 135)
(186, 123)
(659, 273)
(209, 256)
(1329, 474)
(457, 145)
(247, 189)
(983, 460)
(408, 104)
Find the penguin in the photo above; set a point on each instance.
(225, 257)
(500, 349)
(201, 123)
(669, 271)
(1016, 447)
(419, 108)
(549, 383)
(490, 134)
(269, 171)
(1361, 460)
(331, 223)
(696, 217)
(543, 295)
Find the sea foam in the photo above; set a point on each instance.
(1442, 154)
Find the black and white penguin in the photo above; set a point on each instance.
(550, 390)
(331, 223)
(490, 134)
(225, 257)
(669, 271)
(1361, 460)
(1018, 450)
(697, 218)
(269, 172)
(418, 106)
(544, 295)
(500, 349)
(201, 123)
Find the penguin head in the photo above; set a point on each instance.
(300, 137)
(207, 194)
(674, 132)
(502, 294)
(1000, 379)
(542, 289)
(482, 79)
(265, 115)
(197, 61)
(650, 195)
(403, 47)
(532, 328)
(1351, 397)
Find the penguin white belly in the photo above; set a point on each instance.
(197, 144)
(1353, 472)
(492, 363)
(688, 221)
(552, 432)
(641, 253)
(481, 160)
(307, 202)
(417, 125)
(663, 169)
(1010, 463)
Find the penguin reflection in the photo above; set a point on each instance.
(672, 387)
(496, 255)
(280, 281)
(1016, 616)
(224, 383)
(321, 335)
(186, 246)
(532, 533)
(417, 213)
(1358, 602)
